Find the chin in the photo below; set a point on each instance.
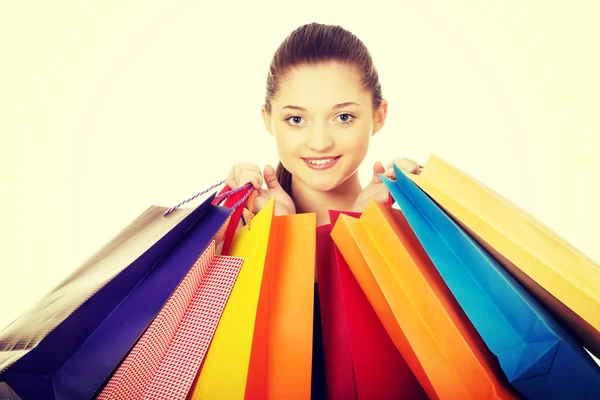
(323, 187)
(324, 183)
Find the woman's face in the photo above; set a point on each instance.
(322, 120)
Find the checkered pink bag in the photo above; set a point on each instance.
(165, 361)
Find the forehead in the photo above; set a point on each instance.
(322, 85)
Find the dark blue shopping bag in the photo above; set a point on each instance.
(540, 358)
(74, 359)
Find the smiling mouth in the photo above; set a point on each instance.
(321, 162)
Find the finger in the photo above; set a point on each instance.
(246, 166)
(389, 173)
(230, 182)
(378, 168)
(403, 162)
(259, 203)
(249, 177)
(236, 176)
(406, 165)
(271, 177)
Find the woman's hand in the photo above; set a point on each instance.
(244, 173)
(376, 189)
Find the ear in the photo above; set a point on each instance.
(380, 116)
(266, 120)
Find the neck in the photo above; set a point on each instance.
(341, 198)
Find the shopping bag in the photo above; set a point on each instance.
(67, 346)
(538, 356)
(262, 347)
(281, 354)
(166, 359)
(566, 281)
(430, 330)
(225, 368)
(339, 371)
(360, 358)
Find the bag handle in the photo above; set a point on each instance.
(225, 193)
(235, 199)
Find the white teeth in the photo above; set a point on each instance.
(320, 162)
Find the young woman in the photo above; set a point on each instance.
(323, 105)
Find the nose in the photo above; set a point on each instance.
(319, 139)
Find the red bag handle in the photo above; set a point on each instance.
(390, 201)
(236, 199)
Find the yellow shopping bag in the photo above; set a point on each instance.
(225, 368)
(262, 348)
(566, 281)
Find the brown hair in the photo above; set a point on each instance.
(313, 44)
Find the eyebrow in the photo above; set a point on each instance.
(335, 107)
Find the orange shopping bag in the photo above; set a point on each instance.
(427, 325)
(281, 357)
(361, 360)
(562, 278)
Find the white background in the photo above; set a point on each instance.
(109, 107)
